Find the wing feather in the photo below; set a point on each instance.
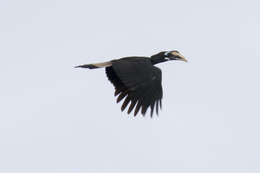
(138, 81)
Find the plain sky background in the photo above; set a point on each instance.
(55, 118)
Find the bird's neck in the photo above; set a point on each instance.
(157, 58)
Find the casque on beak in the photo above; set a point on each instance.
(178, 56)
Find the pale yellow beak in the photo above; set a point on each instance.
(181, 57)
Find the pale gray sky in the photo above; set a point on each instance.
(55, 118)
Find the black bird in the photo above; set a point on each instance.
(137, 80)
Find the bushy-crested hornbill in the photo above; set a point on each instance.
(137, 80)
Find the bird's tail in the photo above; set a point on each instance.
(96, 65)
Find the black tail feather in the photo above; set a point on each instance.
(90, 66)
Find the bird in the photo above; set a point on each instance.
(137, 80)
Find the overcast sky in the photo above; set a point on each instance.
(55, 118)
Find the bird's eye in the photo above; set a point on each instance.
(167, 53)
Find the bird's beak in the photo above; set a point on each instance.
(180, 56)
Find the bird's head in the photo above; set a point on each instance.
(167, 56)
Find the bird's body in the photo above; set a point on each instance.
(137, 80)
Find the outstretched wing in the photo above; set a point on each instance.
(138, 81)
